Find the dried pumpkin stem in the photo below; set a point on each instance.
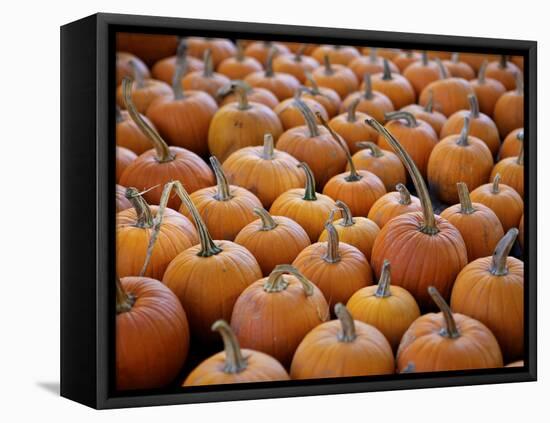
(496, 184)
(454, 57)
(482, 72)
(429, 226)
(240, 51)
(234, 360)
(466, 206)
(503, 62)
(137, 75)
(367, 93)
(521, 155)
(424, 57)
(442, 69)
(269, 150)
(269, 63)
(241, 90)
(268, 223)
(223, 192)
(179, 70)
(329, 70)
(404, 194)
(373, 54)
(163, 151)
(386, 74)
(308, 115)
(351, 116)
(314, 86)
(463, 137)
(347, 217)
(383, 288)
(124, 300)
(375, 151)
(347, 334)
(502, 250)
(450, 330)
(519, 83)
(143, 211)
(333, 243)
(277, 283)
(309, 191)
(408, 117)
(208, 71)
(429, 107)
(474, 106)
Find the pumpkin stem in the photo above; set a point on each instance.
(450, 330)
(367, 94)
(179, 70)
(240, 51)
(386, 75)
(223, 190)
(328, 66)
(424, 56)
(463, 137)
(269, 63)
(375, 151)
(137, 75)
(410, 368)
(496, 184)
(383, 288)
(268, 223)
(308, 115)
(481, 74)
(442, 68)
(269, 151)
(299, 53)
(503, 62)
(351, 117)
(429, 107)
(373, 54)
(502, 250)
(404, 194)
(346, 320)
(309, 191)
(124, 300)
(143, 211)
(234, 360)
(429, 226)
(208, 70)
(208, 247)
(314, 86)
(466, 206)
(347, 217)
(520, 160)
(277, 283)
(519, 83)
(241, 89)
(408, 117)
(474, 106)
(454, 57)
(333, 252)
(163, 151)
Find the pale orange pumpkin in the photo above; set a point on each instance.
(239, 66)
(405, 58)
(327, 97)
(337, 77)
(458, 68)
(422, 73)
(339, 55)
(487, 90)
(511, 146)
(261, 50)
(508, 112)
(370, 64)
(373, 103)
(263, 96)
(296, 64)
(396, 87)
(206, 80)
(290, 115)
(220, 48)
(427, 113)
(504, 71)
(394, 204)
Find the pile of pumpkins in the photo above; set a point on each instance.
(278, 199)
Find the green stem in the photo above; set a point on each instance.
(143, 211)
(474, 106)
(347, 217)
(450, 330)
(124, 300)
(333, 242)
(404, 194)
(375, 151)
(234, 360)
(309, 117)
(347, 334)
(502, 250)
(466, 206)
(277, 283)
(208, 71)
(309, 191)
(408, 117)
(383, 288)
(463, 137)
(367, 94)
(268, 223)
(268, 151)
(223, 190)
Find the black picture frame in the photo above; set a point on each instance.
(87, 208)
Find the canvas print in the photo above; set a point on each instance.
(291, 211)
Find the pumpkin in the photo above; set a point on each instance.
(405, 58)
(297, 47)
(386, 53)
(356, 231)
(504, 71)
(458, 158)
(490, 290)
(342, 348)
(508, 112)
(183, 117)
(128, 134)
(458, 68)
(479, 226)
(390, 309)
(290, 115)
(234, 365)
(148, 47)
(241, 124)
(272, 240)
(383, 163)
(481, 125)
(149, 237)
(511, 146)
(521, 232)
(124, 158)
(487, 90)
(396, 87)
(437, 247)
(282, 85)
(144, 91)
(476, 60)
(261, 50)
(359, 189)
(206, 80)
(339, 55)
(336, 268)
(263, 96)
(121, 202)
(370, 64)
(239, 66)
(373, 103)
(422, 73)
(448, 94)
(447, 341)
(148, 314)
(208, 277)
(511, 171)
(502, 199)
(327, 97)
(264, 171)
(393, 204)
(352, 128)
(164, 69)
(225, 209)
(220, 48)
(162, 164)
(427, 113)
(295, 64)
(314, 145)
(337, 77)
(125, 64)
(416, 136)
(275, 313)
(305, 206)
(441, 55)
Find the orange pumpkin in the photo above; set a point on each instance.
(122, 203)
(124, 158)
(128, 134)
(263, 96)
(272, 240)
(487, 90)
(427, 113)
(405, 58)
(447, 341)
(394, 204)
(458, 68)
(370, 64)
(164, 69)
(502, 199)
(504, 71)
(261, 50)
(508, 112)
(373, 103)
(239, 66)
(234, 365)
(478, 224)
(148, 47)
(356, 231)
(220, 48)
(327, 97)
(511, 146)
(476, 60)
(342, 348)
(206, 80)
(490, 290)
(396, 87)
(275, 313)
(437, 247)
(295, 64)
(148, 314)
(290, 115)
(386, 53)
(337, 77)
(458, 158)
(511, 171)
(154, 168)
(422, 73)
(391, 310)
(125, 63)
(339, 55)
(208, 277)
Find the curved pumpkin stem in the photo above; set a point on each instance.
(179, 70)
(314, 86)
(277, 283)
(234, 360)
(386, 74)
(143, 211)
(429, 227)
(269, 73)
(482, 71)
(269, 150)
(351, 116)
(404, 194)
(208, 71)
(137, 75)
(347, 217)
(241, 90)
(520, 160)
(383, 288)
(124, 300)
(429, 107)
(450, 330)
(466, 206)
(328, 66)
(408, 117)
(442, 69)
(308, 115)
(163, 151)
(496, 184)
(474, 106)
(367, 93)
(223, 190)
(502, 250)
(348, 325)
(375, 151)
(463, 137)
(333, 242)
(268, 223)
